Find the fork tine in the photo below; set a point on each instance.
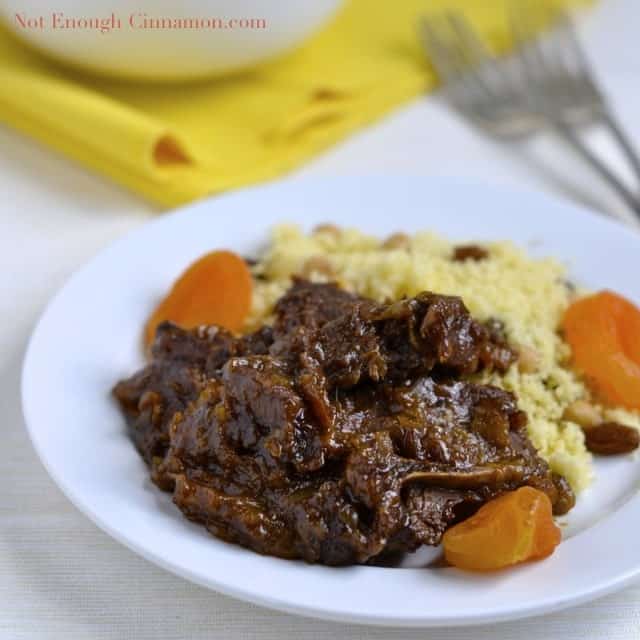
(440, 47)
(474, 49)
(459, 50)
(576, 58)
(437, 50)
(525, 22)
(449, 55)
(451, 44)
(474, 81)
(549, 59)
(496, 81)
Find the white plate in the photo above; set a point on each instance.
(89, 337)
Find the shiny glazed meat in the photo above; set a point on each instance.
(346, 432)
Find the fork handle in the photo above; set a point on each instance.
(569, 135)
(617, 132)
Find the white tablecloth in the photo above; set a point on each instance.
(60, 577)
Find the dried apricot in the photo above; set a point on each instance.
(516, 527)
(603, 331)
(215, 289)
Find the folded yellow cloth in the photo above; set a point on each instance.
(174, 143)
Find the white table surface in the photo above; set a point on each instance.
(60, 577)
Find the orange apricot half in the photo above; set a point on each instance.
(513, 528)
(215, 289)
(603, 331)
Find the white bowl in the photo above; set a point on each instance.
(170, 50)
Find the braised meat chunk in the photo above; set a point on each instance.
(348, 431)
(181, 363)
(354, 339)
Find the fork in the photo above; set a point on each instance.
(546, 85)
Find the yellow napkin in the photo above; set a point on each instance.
(174, 143)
